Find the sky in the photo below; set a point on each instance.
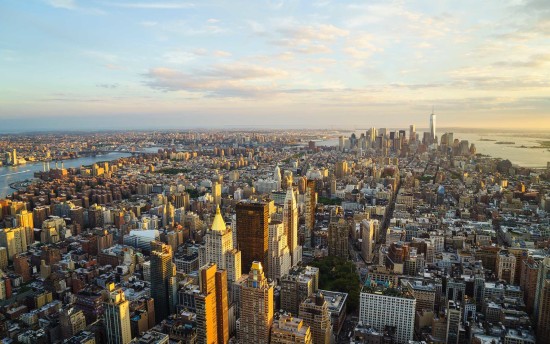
(115, 64)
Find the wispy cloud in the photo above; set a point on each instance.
(229, 80)
(66, 4)
(152, 5)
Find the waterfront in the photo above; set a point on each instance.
(12, 174)
(519, 153)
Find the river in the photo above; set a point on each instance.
(12, 174)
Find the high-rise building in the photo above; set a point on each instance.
(506, 266)
(72, 321)
(211, 306)
(341, 169)
(252, 232)
(290, 221)
(95, 216)
(217, 193)
(453, 322)
(3, 258)
(299, 284)
(314, 311)
(14, 239)
(278, 255)
(543, 321)
(219, 248)
(22, 267)
(117, 317)
(277, 177)
(163, 273)
(288, 329)
(542, 297)
(368, 228)
(256, 307)
(412, 133)
(310, 204)
(338, 233)
(432, 127)
(383, 307)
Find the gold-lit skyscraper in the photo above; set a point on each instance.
(163, 273)
(256, 307)
(212, 306)
(117, 317)
(252, 232)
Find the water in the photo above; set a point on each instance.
(525, 157)
(12, 174)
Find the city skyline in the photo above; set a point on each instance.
(278, 64)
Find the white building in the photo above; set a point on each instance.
(278, 254)
(380, 307)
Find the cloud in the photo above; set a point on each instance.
(229, 80)
(66, 4)
(307, 39)
(152, 5)
(101, 55)
(108, 86)
(149, 23)
(318, 32)
(221, 53)
(534, 61)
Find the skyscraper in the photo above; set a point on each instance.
(256, 307)
(338, 234)
(310, 203)
(279, 260)
(277, 177)
(367, 236)
(163, 273)
(252, 232)
(543, 321)
(211, 306)
(117, 317)
(217, 193)
(432, 127)
(383, 307)
(314, 311)
(219, 248)
(453, 322)
(412, 133)
(14, 239)
(290, 221)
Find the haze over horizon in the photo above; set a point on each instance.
(119, 64)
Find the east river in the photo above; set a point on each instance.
(12, 174)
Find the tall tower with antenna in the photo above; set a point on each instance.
(432, 125)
